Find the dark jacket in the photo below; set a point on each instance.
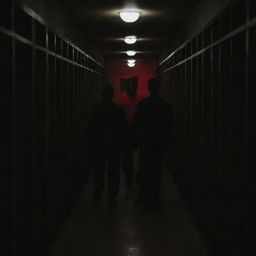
(153, 124)
(107, 128)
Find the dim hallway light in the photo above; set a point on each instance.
(131, 65)
(129, 16)
(130, 39)
(131, 61)
(131, 53)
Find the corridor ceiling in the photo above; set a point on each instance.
(100, 21)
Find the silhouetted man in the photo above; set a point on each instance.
(152, 129)
(107, 133)
(128, 101)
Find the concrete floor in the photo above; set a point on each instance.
(129, 230)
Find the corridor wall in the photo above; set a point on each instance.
(48, 87)
(115, 69)
(210, 82)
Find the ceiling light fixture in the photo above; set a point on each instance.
(131, 53)
(130, 39)
(131, 61)
(131, 65)
(129, 16)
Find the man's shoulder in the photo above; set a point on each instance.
(141, 97)
(144, 100)
(117, 108)
(121, 98)
(155, 101)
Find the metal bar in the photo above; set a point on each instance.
(37, 17)
(233, 33)
(51, 118)
(47, 160)
(186, 101)
(246, 246)
(30, 43)
(14, 189)
(33, 155)
(62, 129)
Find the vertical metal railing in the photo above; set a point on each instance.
(47, 86)
(216, 137)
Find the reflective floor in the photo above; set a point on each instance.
(129, 230)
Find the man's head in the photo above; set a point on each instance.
(107, 92)
(131, 87)
(154, 86)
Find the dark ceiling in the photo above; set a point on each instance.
(157, 25)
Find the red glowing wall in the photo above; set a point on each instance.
(116, 69)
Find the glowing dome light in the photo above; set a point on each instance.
(131, 61)
(131, 53)
(130, 39)
(131, 65)
(129, 16)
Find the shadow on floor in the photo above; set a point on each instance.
(129, 230)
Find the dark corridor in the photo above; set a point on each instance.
(55, 57)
